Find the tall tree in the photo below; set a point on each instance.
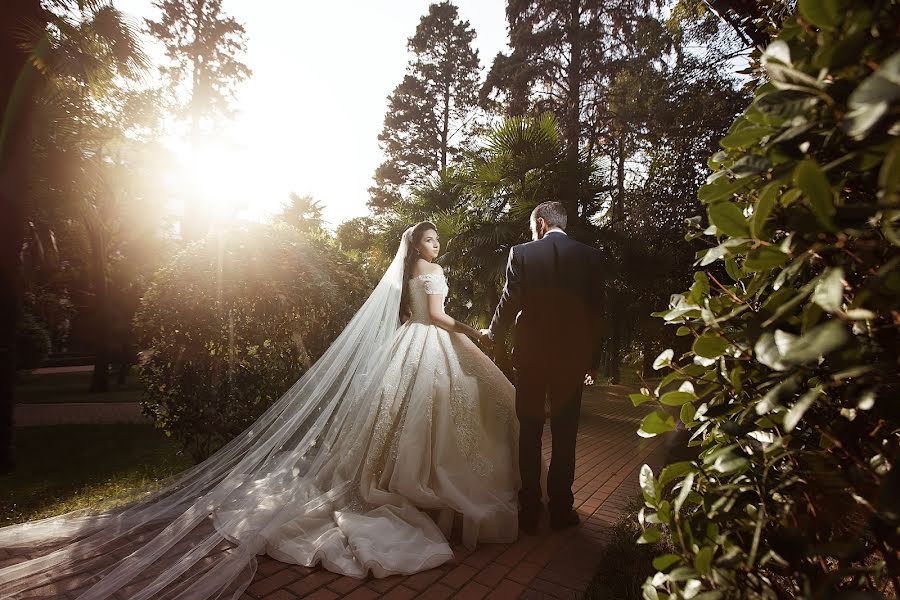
(432, 113)
(203, 46)
(302, 212)
(563, 54)
(19, 79)
(87, 42)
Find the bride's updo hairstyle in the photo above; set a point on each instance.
(412, 254)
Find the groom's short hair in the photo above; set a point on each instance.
(553, 213)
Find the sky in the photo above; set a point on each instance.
(309, 117)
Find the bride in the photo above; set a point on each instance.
(401, 433)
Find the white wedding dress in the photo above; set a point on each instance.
(444, 441)
(400, 435)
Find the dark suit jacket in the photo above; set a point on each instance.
(554, 292)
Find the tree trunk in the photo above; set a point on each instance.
(446, 128)
(193, 225)
(573, 109)
(618, 212)
(18, 85)
(646, 355)
(614, 350)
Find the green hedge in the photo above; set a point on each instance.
(790, 391)
(233, 321)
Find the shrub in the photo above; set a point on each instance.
(790, 389)
(32, 343)
(233, 321)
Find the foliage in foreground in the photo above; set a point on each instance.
(790, 388)
(233, 322)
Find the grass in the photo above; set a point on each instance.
(47, 388)
(61, 468)
(624, 564)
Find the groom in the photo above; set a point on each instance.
(553, 292)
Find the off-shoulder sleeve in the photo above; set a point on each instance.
(435, 283)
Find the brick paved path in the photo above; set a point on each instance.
(549, 565)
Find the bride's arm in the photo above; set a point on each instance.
(441, 319)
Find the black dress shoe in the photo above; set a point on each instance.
(565, 520)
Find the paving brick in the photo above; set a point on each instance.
(438, 591)
(459, 576)
(422, 580)
(344, 585)
(267, 585)
(362, 593)
(386, 583)
(491, 575)
(507, 590)
(400, 592)
(524, 572)
(281, 594)
(322, 594)
(312, 582)
(473, 591)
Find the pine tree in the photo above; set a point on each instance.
(432, 113)
(203, 46)
(563, 54)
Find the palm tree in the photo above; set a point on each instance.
(302, 212)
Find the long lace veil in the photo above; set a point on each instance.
(197, 535)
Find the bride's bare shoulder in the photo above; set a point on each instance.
(423, 267)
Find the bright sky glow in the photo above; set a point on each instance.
(310, 115)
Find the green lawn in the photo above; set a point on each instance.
(65, 467)
(47, 388)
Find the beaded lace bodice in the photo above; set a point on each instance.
(422, 286)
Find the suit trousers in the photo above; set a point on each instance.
(533, 388)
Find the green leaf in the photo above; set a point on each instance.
(684, 491)
(663, 360)
(829, 291)
(655, 423)
(732, 269)
(765, 257)
(648, 484)
(674, 471)
(821, 13)
(650, 536)
(729, 219)
(871, 100)
(638, 399)
(800, 407)
(720, 189)
(746, 137)
(677, 398)
(818, 342)
(812, 181)
(687, 413)
(703, 560)
(729, 463)
(784, 104)
(763, 209)
(889, 175)
(710, 345)
(666, 562)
